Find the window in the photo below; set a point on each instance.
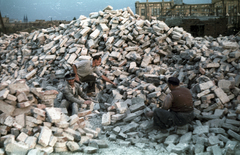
(155, 11)
(142, 12)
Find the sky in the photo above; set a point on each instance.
(65, 9)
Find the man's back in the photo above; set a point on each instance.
(83, 67)
(182, 100)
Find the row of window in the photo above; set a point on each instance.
(157, 11)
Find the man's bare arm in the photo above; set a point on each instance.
(108, 80)
(167, 103)
(75, 72)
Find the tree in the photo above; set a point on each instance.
(74, 18)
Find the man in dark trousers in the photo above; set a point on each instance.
(74, 95)
(177, 108)
(83, 72)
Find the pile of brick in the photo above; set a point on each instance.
(28, 121)
(139, 55)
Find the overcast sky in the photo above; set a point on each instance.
(65, 9)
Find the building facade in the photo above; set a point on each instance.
(224, 15)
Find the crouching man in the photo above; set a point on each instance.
(75, 97)
(177, 108)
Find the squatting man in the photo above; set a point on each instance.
(84, 69)
(75, 97)
(176, 110)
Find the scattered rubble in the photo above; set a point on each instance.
(139, 55)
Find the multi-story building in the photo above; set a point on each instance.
(215, 18)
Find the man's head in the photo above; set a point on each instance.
(173, 82)
(70, 77)
(97, 60)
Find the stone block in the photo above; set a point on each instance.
(125, 143)
(60, 149)
(62, 124)
(90, 150)
(199, 148)
(225, 85)
(100, 143)
(39, 111)
(3, 85)
(237, 80)
(146, 60)
(88, 130)
(234, 134)
(230, 126)
(52, 141)
(2, 151)
(84, 113)
(231, 147)
(213, 140)
(31, 74)
(233, 122)
(72, 58)
(11, 97)
(53, 115)
(180, 148)
(73, 146)
(6, 108)
(220, 94)
(4, 93)
(36, 152)
(137, 104)
(106, 118)
(73, 119)
(68, 136)
(186, 138)
(129, 127)
(171, 139)
(206, 85)
(44, 136)
(9, 121)
(212, 65)
(238, 109)
(23, 104)
(16, 148)
(130, 117)
(113, 137)
(22, 97)
(31, 141)
(201, 130)
(104, 27)
(122, 107)
(217, 130)
(223, 138)
(22, 137)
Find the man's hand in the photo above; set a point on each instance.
(114, 84)
(89, 99)
(87, 102)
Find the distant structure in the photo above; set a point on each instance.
(215, 18)
(13, 26)
(3, 29)
(25, 19)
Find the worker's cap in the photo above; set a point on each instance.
(70, 76)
